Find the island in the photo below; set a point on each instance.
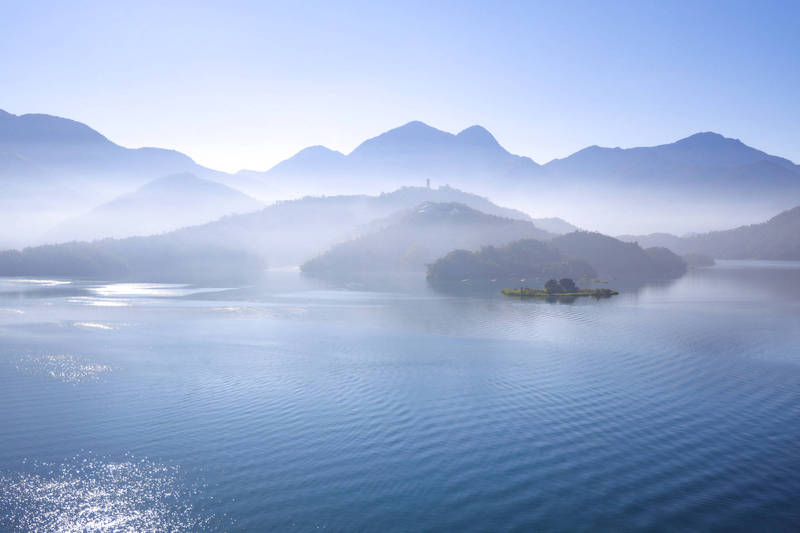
(559, 289)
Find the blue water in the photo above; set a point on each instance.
(299, 406)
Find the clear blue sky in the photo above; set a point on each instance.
(246, 84)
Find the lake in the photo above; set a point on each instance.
(299, 406)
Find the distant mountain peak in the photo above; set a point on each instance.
(315, 158)
(707, 138)
(317, 149)
(415, 127)
(36, 127)
(478, 135)
(415, 124)
(413, 135)
(316, 153)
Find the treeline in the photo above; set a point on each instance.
(158, 258)
(522, 259)
(775, 239)
(614, 258)
(575, 255)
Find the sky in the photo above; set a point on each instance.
(247, 84)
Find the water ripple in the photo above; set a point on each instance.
(88, 493)
(63, 367)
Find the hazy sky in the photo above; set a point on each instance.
(246, 84)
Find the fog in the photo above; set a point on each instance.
(69, 187)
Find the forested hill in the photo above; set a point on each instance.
(417, 237)
(575, 255)
(778, 238)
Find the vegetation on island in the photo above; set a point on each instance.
(158, 258)
(775, 239)
(613, 258)
(524, 259)
(564, 288)
(576, 255)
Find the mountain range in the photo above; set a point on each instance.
(407, 155)
(53, 168)
(58, 149)
(290, 232)
(704, 180)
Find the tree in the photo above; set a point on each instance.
(568, 285)
(553, 286)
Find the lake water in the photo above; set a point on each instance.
(296, 406)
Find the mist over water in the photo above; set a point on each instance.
(301, 404)
(398, 266)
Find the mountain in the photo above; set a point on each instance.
(407, 155)
(286, 233)
(314, 159)
(161, 205)
(778, 238)
(416, 238)
(67, 149)
(706, 150)
(701, 182)
(52, 168)
(291, 232)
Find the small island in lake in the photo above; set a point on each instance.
(564, 288)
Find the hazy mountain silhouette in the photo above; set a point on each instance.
(705, 180)
(163, 204)
(703, 150)
(407, 155)
(286, 233)
(413, 239)
(317, 159)
(777, 238)
(64, 147)
(291, 232)
(52, 168)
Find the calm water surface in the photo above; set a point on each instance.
(296, 406)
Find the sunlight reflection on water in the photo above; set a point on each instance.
(95, 325)
(89, 493)
(42, 282)
(149, 289)
(63, 367)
